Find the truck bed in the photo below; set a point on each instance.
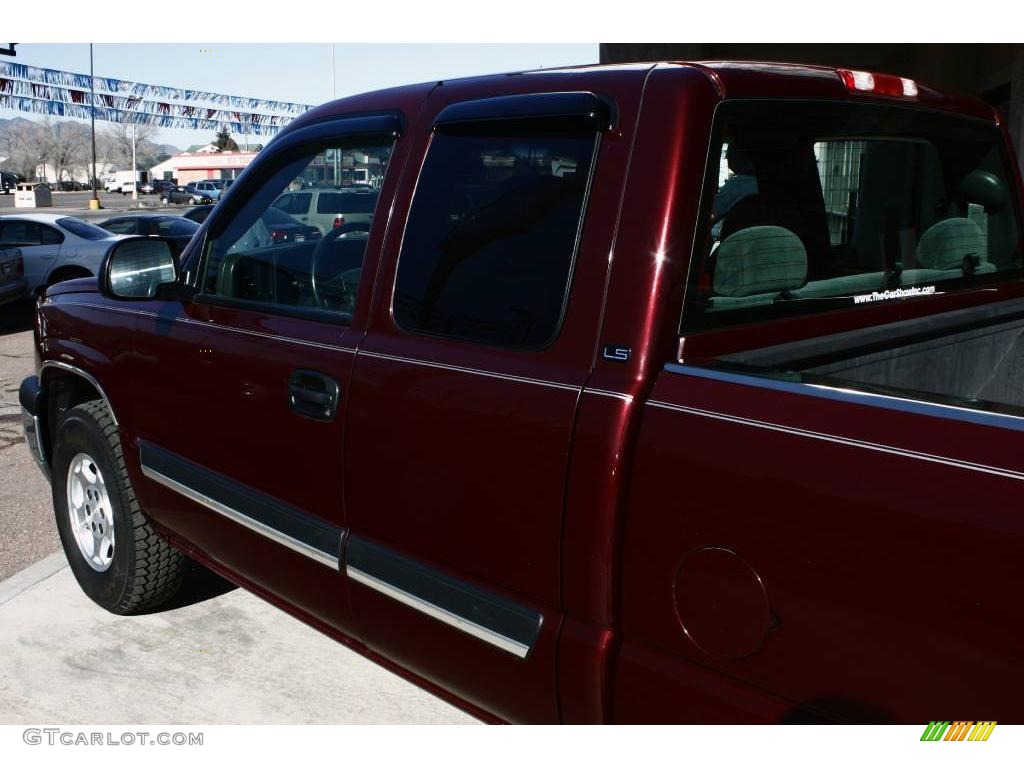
(972, 357)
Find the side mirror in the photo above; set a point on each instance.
(138, 267)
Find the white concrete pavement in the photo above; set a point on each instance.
(228, 659)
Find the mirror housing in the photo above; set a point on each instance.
(139, 268)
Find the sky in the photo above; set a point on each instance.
(291, 72)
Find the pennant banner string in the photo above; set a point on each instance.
(131, 104)
(43, 76)
(114, 115)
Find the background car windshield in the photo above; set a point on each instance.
(82, 229)
(819, 206)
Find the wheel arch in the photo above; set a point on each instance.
(67, 386)
(73, 271)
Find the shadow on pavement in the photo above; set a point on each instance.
(200, 585)
(16, 317)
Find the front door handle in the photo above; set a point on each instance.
(313, 395)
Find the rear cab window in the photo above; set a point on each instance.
(815, 207)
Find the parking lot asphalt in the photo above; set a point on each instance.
(77, 204)
(27, 530)
(226, 658)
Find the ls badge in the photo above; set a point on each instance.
(616, 353)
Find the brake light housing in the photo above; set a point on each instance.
(859, 81)
(339, 222)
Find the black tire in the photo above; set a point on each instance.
(144, 570)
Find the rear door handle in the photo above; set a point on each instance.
(313, 395)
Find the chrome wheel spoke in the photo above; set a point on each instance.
(89, 512)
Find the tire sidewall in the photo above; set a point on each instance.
(78, 433)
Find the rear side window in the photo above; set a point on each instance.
(294, 203)
(491, 237)
(821, 206)
(20, 233)
(346, 202)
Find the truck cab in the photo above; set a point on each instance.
(678, 392)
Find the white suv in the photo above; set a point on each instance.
(329, 208)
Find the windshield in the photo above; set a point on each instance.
(818, 206)
(82, 229)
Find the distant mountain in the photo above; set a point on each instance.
(5, 123)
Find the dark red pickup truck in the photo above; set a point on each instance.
(688, 392)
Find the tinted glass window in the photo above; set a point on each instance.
(20, 233)
(297, 203)
(491, 236)
(83, 229)
(173, 227)
(826, 206)
(50, 236)
(346, 202)
(273, 259)
(122, 227)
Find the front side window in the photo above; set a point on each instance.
(491, 237)
(821, 206)
(266, 255)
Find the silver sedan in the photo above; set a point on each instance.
(55, 247)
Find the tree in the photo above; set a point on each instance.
(24, 145)
(66, 144)
(224, 142)
(118, 138)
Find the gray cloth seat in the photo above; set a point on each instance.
(948, 243)
(755, 265)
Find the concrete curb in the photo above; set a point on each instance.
(27, 578)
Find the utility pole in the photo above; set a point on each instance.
(334, 95)
(135, 173)
(94, 204)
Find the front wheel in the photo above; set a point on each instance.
(118, 559)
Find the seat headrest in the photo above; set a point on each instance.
(984, 188)
(946, 244)
(760, 260)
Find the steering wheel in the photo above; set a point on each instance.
(321, 248)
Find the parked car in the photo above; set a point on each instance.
(280, 227)
(9, 181)
(54, 247)
(12, 275)
(146, 188)
(331, 208)
(212, 188)
(161, 185)
(175, 228)
(187, 194)
(587, 426)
